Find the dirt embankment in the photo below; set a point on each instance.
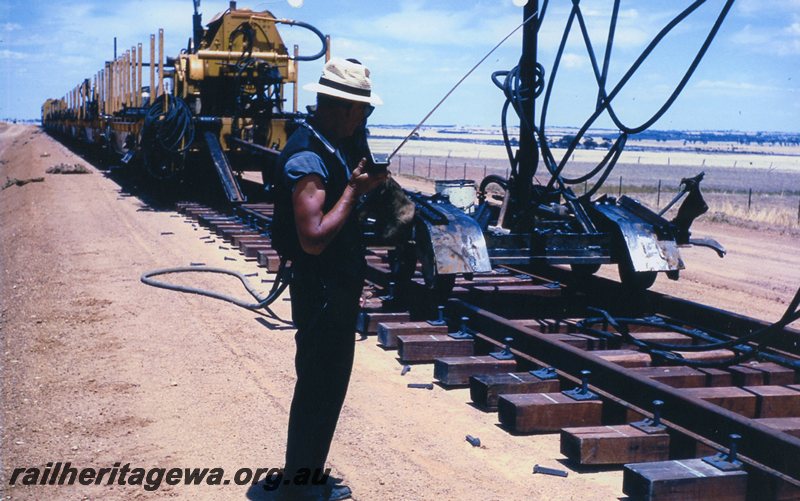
(99, 369)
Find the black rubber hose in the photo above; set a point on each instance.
(493, 178)
(282, 279)
(604, 97)
(315, 31)
(171, 128)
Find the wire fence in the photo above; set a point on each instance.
(769, 204)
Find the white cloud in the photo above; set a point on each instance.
(429, 27)
(769, 40)
(570, 60)
(11, 55)
(741, 88)
(759, 7)
(7, 27)
(421, 26)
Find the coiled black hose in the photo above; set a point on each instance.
(172, 131)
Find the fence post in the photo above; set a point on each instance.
(445, 169)
(749, 198)
(658, 197)
(484, 171)
(465, 171)
(620, 187)
(399, 164)
(413, 166)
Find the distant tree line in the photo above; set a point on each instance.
(691, 137)
(763, 138)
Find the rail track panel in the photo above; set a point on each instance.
(544, 333)
(535, 316)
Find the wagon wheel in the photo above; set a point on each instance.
(403, 263)
(584, 270)
(441, 285)
(635, 280)
(163, 165)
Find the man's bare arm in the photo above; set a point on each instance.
(316, 229)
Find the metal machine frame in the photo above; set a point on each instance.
(550, 224)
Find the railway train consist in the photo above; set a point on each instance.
(221, 100)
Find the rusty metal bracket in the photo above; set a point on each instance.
(654, 425)
(463, 332)
(389, 297)
(440, 317)
(505, 353)
(449, 241)
(726, 462)
(710, 243)
(545, 373)
(582, 392)
(549, 471)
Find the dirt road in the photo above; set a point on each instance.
(99, 369)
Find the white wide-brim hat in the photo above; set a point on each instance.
(346, 80)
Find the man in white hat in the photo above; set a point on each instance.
(315, 225)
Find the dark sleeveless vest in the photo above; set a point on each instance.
(346, 249)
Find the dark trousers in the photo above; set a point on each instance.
(324, 309)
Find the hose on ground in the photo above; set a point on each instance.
(282, 279)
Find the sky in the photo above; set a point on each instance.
(418, 49)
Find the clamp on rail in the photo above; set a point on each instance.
(582, 392)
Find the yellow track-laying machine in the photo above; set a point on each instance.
(221, 101)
